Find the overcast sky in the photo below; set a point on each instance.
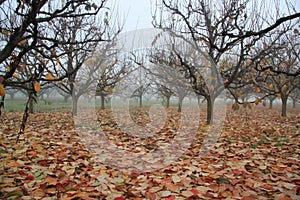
(137, 13)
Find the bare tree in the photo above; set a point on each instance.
(277, 64)
(218, 29)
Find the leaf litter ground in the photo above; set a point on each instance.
(255, 157)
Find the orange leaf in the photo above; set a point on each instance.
(22, 42)
(37, 193)
(49, 76)
(50, 180)
(14, 164)
(15, 75)
(37, 86)
(2, 90)
(266, 187)
(51, 190)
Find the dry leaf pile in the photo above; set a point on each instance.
(255, 157)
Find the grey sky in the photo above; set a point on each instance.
(136, 12)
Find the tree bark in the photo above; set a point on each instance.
(283, 106)
(168, 102)
(210, 110)
(31, 110)
(180, 100)
(102, 102)
(294, 102)
(271, 103)
(66, 98)
(141, 101)
(74, 105)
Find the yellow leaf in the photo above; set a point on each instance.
(257, 100)
(37, 86)
(279, 96)
(257, 90)
(6, 32)
(284, 87)
(49, 76)
(270, 87)
(239, 94)
(2, 90)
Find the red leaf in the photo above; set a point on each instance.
(194, 191)
(247, 198)
(29, 177)
(170, 197)
(44, 163)
(22, 172)
(119, 198)
(208, 194)
(285, 198)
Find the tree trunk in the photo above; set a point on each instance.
(294, 102)
(210, 110)
(141, 101)
(168, 102)
(12, 95)
(66, 99)
(283, 106)
(198, 99)
(180, 100)
(102, 102)
(271, 103)
(74, 105)
(31, 110)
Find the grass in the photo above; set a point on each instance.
(18, 105)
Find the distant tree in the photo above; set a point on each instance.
(164, 91)
(283, 57)
(111, 69)
(216, 29)
(295, 96)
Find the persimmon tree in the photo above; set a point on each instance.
(111, 69)
(295, 96)
(26, 26)
(277, 68)
(168, 75)
(164, 91)
(36, 27)
(217, 28)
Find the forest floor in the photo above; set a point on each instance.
(256, 155)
